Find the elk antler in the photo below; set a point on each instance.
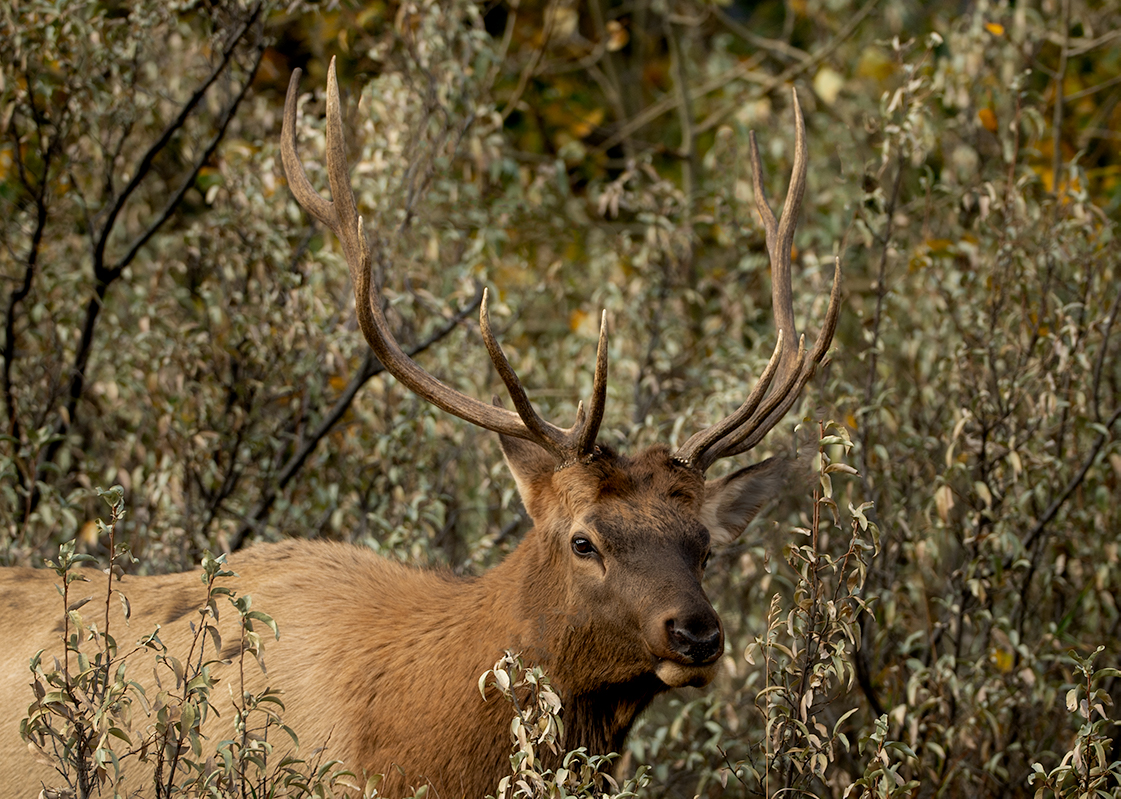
(341, 216)
(788, 370)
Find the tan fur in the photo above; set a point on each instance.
(380, 662)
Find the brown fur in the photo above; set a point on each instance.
(380, 662)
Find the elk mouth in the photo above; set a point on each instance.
(678, 669)
(685, 646)
(676, 674)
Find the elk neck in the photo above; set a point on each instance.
(532, 589)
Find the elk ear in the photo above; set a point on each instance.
(731, 502)
(530, 465)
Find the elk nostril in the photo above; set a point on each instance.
(697, 639)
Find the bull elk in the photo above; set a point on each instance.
(381, 662)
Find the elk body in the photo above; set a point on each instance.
(380, 662)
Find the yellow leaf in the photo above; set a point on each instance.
(995, 28)
(561, 22)
(944, 502)
(617, 36)
(1002, 659)
(988, 119)
(875, 63)
(588, 122)
(6, 161)
(828, 84)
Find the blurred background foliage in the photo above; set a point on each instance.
(174, 324)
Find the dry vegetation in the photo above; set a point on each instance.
(931, 612)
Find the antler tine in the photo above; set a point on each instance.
(788, 370)
(589, 426)
(340, 215)
(304, 192)
(547, 435)
(349, 230)
(780, 234)
(765, 420)
(700, 441)
(565, 445)
(804, 371)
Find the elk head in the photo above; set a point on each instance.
(609, 580)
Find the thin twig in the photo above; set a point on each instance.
(1074, 482)
(371, 367)
(877, 317)
(1105, 84)
(643, 399)
(608, 77)
(534, 59)
(1099, 362)
(685, 118)
(504, 47)
(30, 264)
(106, 275)
(743, 71)
(777, 47)
(794, 70)
(1080, 46)
(1057, 115)
(157, 147)
(189, 180)
(1010, 185)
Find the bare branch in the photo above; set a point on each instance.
(370, 368)
(157, 147)
(104, 276)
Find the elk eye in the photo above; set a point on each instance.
(583, 547)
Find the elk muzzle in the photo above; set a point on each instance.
(687, 645)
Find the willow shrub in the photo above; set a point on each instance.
(174, 325)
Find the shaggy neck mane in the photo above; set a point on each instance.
(601, 720)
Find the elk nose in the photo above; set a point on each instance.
(698, 638)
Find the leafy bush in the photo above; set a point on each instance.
(538, 726)
(172, 325)
(91, 715)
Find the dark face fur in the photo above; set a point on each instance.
(632, 535)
